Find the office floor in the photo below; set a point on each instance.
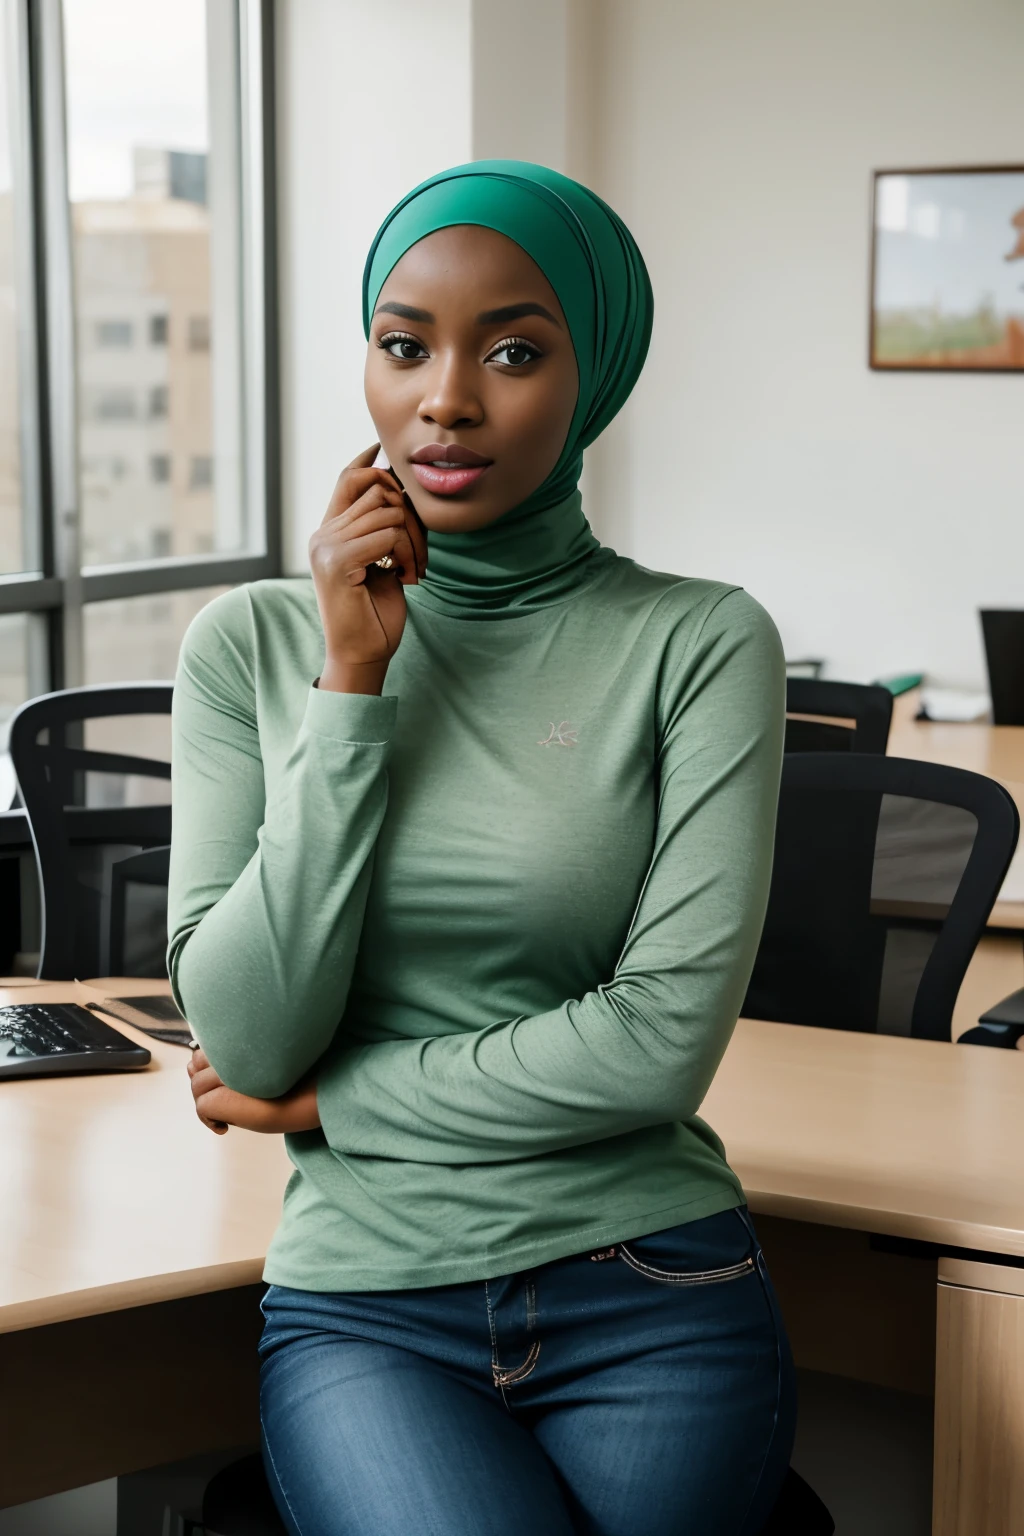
(867, 1451)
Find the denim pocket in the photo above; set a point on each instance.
(693, 1254)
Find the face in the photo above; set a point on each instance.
(471, 376)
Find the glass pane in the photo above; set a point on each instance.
(11, 555)
(136, 639)
(15, 630)
(154, 185)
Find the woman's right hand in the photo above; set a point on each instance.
(362, 608)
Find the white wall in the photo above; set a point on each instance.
(519, 62)
(373, 96)
(871, 513)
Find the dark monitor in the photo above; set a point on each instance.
(1003, 629)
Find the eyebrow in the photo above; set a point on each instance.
(502, 316)
(510, 312)
(405, 312)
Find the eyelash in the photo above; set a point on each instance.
(395, 338)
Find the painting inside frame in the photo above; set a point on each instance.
(948, 270)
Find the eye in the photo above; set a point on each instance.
(399, 344)
(514, 353)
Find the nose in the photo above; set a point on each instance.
(450, 398)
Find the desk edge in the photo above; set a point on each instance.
(860, 1218)
(145, 1291)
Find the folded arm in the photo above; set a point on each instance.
(642, 1048)
(267, 890)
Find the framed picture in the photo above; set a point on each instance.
(947, 269)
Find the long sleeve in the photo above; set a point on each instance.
(641, 1048)
(267, 889)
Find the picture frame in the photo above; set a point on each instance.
(947, 270)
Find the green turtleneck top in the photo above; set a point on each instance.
(509, 909)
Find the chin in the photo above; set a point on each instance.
(449, 515)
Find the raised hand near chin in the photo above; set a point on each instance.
(362, 604)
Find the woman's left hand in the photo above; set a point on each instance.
(219, 1107)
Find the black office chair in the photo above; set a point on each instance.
(74, 797)
(138, 913)
(823, 707)
(1003, 631)
(238, 1502)
(885, 873)
(798, 1511)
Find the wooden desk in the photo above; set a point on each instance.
(132, 1237)
(131, 1248)
(995, 750)
(837, 1136)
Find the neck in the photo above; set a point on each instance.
(530, 558)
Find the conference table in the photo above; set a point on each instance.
(885, 1175)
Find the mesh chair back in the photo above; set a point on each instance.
(836, 717)
(138, 913)
(81, 821)
(885, 873)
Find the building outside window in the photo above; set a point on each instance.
(200, 473)
(148, 163)
(113, 404)
(159, 401)
(114, 333)
(199, 333)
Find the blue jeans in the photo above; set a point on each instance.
(646, 1388)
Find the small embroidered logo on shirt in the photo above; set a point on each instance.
(561, 735)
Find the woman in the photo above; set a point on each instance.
(471, 858)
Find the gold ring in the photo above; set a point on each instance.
(386, 562)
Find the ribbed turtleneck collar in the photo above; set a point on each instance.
(530, 558)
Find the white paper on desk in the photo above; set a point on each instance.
(954, 704)
(1013, 885)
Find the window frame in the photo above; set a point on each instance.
(57, 586)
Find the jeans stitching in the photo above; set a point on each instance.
(277, 1479)
(762, 1274)
(514, 1377)
(686, 1277)
(492, 1327)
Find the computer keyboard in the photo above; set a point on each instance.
(47, 1038)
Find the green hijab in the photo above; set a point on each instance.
(540, 551)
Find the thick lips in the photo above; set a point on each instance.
(445, 482)
(449, 453)
(446, 468)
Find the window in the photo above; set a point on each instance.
(159, 400)
(156, 625)
(139, 138)
(200, 473)
(15, 306)
(17, 634)
(116, 404)
(114, 333)
(155, 173)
